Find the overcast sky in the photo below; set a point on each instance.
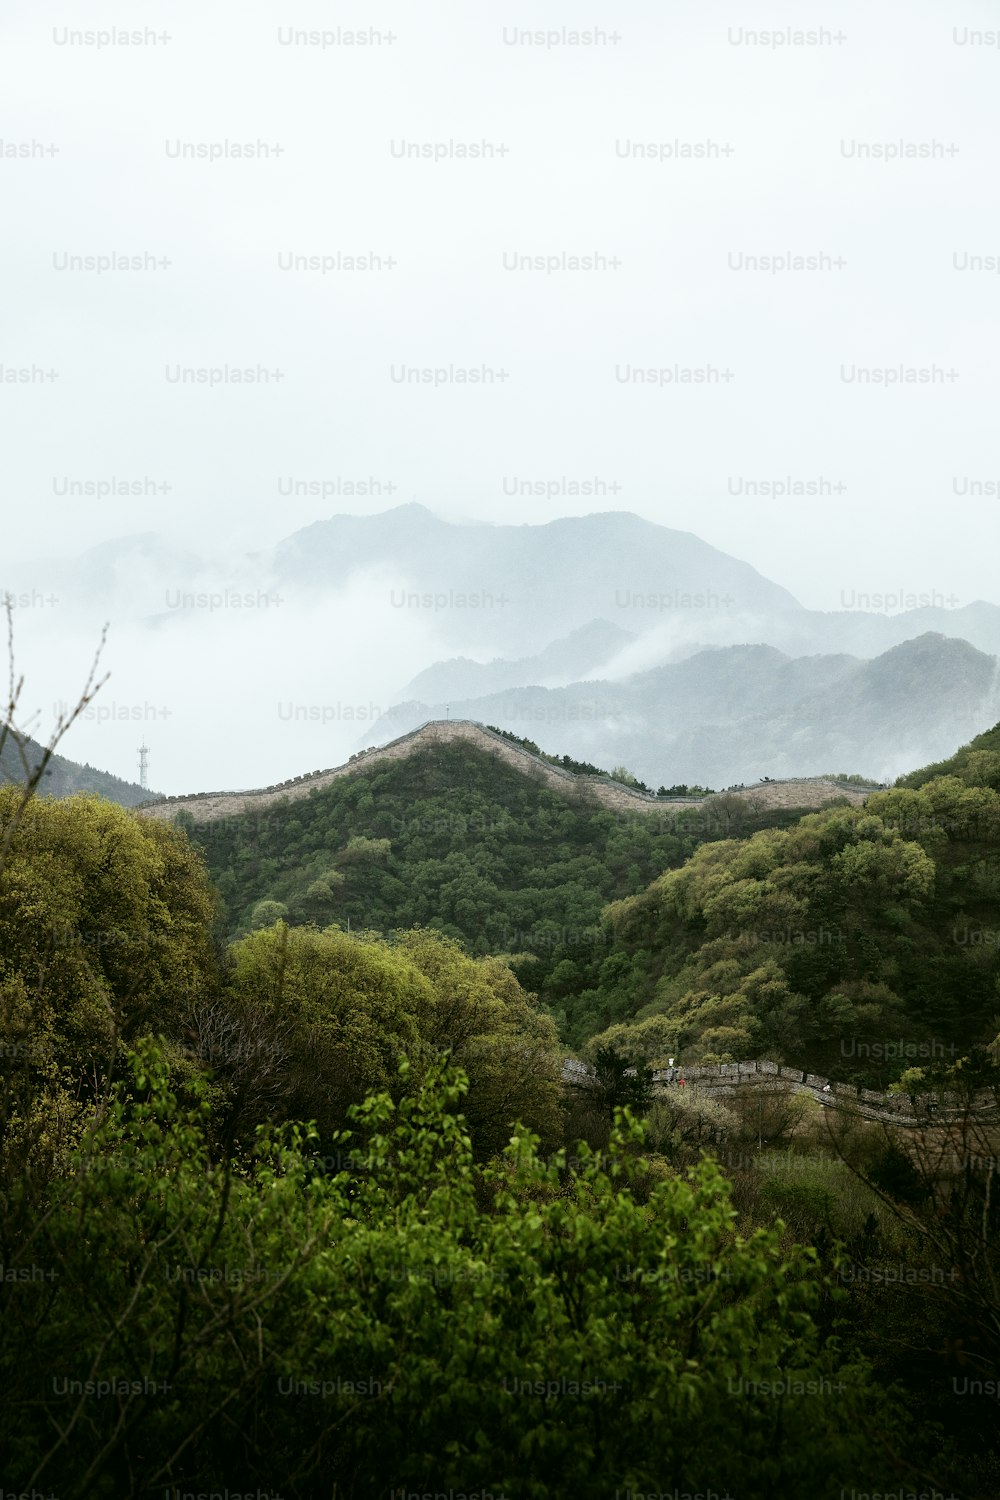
(803, 149)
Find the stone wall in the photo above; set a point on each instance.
(726, 1078)
(208, 806)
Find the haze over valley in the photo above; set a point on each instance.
(602, 635)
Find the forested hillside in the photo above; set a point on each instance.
(63, 777)
(836, 944)
(810, 939)
(977, 764)
(455, 840)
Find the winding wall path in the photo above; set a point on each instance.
(726, 1078)
(806, 792)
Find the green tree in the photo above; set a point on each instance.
(266, 913)
(535, 1329)
(494, 1030)
(338, 1010)
(616, 1082)
(105, 924)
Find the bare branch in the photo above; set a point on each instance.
(21, 737)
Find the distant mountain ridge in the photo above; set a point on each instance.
(583, 651)
(536, 582)
(585, 622)
(734, 714)
(541, 583)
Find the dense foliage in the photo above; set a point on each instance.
(330, 1016)
(578, 767)
(412, 1323)
(857, 942)
(105, 928)
(454, 839)
(977, 764)
(449, 837)
(106, 932)
(585, 768)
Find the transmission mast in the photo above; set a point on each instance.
(144, 767)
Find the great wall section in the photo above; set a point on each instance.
(908, 1111)
(203, 807)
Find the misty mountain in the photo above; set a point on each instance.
(738, 713)
(518, 585)
(404, 607)
(581, 653)
(869, 633)
(665, 588)
(509, 590)
(132, 573)
(577, 588)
